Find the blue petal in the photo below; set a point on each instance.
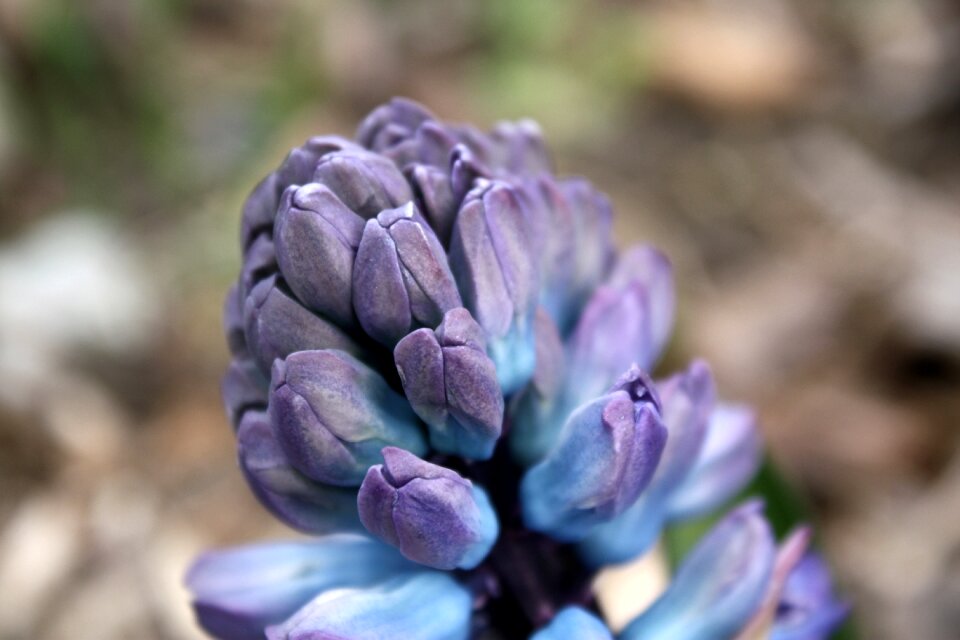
(687, 399)
(238, 592)
(573, 623)
(514, 355)
(729, 458)
(425, 606)
(809, 609)
(719, 586)
(606, 455)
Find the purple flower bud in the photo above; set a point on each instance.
(539, 413)
(439, 191)
(277, 325)
(621, 323)
(333, 415)
(718, 586)
(426, 606)
(551, 239)
(789, 554)
(260, 208)
(574, 623)
(519, 148)
(305, 505)
(606, 454)
(233, 322)
(435, 198)
(401, 277)
(430, 513)
(687, 399)
(317, 236)
(238, 592)
(301, 163)
(728, 459)
(647, 266)
(496, 272)
(593, 249)
(392, 123)
(365, 182)
(452, 385)
(243, 387)
(808, 608)
(259, 263)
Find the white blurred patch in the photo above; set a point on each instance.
(626, 590)
(71, 282)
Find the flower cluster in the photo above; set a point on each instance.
(440, 368)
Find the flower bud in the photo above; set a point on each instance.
(392, 123)
(551, 239)
(519, 148)
(260, 209)
(620, 324)
(540, 412)
(493, 265)
(316, 239)
(430, 513)
(789, 554)
(233, 322)
(593, 250)
(243, 387)
(729, 457)
(452, 385)
(607, 453)
(435, 198)
(259, 263)
(439, 190)
(277, 325)
(687, 399)
(333, 414)
(365, 182)
(648, 267)
(719, 585)
(808, 607)
(238, 592)
(427, 606)
(574, 623)
(305, 505)
(401, 277)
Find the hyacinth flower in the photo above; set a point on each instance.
(441, 371)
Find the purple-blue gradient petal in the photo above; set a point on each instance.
(426, 606)
(277, 325)
(604, 459)
(718, 586)
(316, 237)
(333, 414)
(431, 514)
(728, 459)
(688, 400)
(574, 623)
(494, 268)
(301, 503)
(452, 385)
(238, 592)
(401, 277)
(809, 608)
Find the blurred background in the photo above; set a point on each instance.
(797, 159)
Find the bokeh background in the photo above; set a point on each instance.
(799, 160)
